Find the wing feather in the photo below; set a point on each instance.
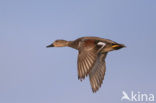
(86, 58)
(97, 73)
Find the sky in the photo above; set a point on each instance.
(32, 73)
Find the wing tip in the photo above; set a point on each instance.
(94, 90)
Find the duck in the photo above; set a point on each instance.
(92, 52)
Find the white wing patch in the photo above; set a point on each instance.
(101, 43)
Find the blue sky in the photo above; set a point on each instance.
(31, 73)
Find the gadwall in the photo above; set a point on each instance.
(91, 57)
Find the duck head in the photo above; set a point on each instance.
(58, 43)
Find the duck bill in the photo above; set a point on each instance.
(118, 46)
(51, 45)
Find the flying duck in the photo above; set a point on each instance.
(91, 57)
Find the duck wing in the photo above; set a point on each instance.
(86, 57)
(96, 75)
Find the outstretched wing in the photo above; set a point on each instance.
(97, 73)
(86, 58)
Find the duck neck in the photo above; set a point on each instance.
(69, 43)
(72, 44)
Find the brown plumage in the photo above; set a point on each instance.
(91, 57)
